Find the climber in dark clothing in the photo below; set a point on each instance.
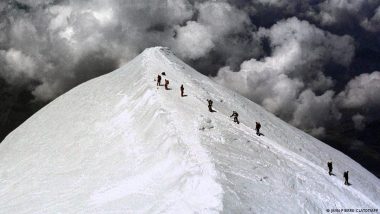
(329, 165)
(345, 175)
(258, 126)
(159, 80)
(166, 84)
(235, 115)
(210, 105)
(182, 91)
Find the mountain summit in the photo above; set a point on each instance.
(121, 144)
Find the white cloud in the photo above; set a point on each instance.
(222, 18)
(316, 46)
(193, 40)
(362, 91)
(313, 112)
(216, 20)
(17, 65)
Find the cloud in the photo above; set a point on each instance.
(315, 45)
(17, 66)
(309, 111)
(222, 18)
(362, 92)
(193, 40)
(216, 21)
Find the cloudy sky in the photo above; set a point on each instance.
(315, 64)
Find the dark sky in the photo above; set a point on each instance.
(315, 64)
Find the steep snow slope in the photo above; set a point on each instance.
(119, 144)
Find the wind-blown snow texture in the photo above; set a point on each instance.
(119, 144)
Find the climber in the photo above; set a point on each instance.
(182, 91)
(235, 115)
(329, 165)
(345, 175)
(159, 80)
(166, 84)
(210, 105)
(258, 126)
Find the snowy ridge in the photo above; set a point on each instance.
(119, 144)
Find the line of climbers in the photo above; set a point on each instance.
(235, 116)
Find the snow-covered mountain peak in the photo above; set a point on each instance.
(121, 144)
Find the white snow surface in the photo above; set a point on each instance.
(120, 144)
